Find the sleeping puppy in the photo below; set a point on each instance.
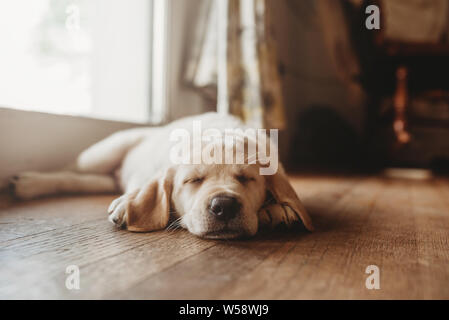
(215, 184)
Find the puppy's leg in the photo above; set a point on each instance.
(276, 214)
(89, 175)
(107, 155)
(29, 185)
(118, 209)
(146, 208)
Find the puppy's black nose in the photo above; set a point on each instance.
(224, 207)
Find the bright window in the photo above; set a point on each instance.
(81, 57)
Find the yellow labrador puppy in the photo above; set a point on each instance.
(208, 182)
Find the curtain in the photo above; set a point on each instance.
(234, 58)
(339, 46)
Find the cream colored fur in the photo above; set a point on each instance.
(154, 191)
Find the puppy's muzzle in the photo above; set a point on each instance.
(224, 207)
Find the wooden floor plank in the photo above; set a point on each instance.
(296, 271)
(399, 225)
(22, 219)
(430, 206)
(216, 278)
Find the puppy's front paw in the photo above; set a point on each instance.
(276, 214)
(118, 211)
(27, 185)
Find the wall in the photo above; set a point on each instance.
(40, 141)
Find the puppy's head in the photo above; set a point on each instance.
(221, 201)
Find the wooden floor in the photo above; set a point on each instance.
(401, 226)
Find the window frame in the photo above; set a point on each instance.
(156, 68)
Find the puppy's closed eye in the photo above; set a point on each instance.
(194, 180)
(244, 179)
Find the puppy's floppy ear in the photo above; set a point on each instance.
(287, 207)
(150, 209)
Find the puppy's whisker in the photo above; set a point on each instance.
(174, 225)
(173, 228)
(252, 157)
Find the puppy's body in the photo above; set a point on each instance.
(210, 200)
(151, 155)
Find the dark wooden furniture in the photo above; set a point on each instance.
(395, 74)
